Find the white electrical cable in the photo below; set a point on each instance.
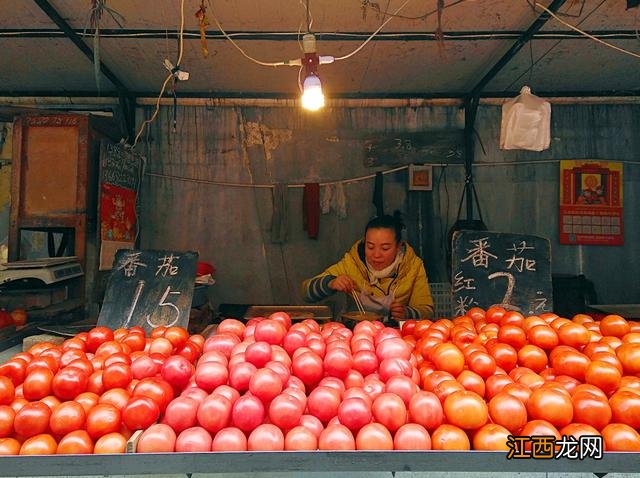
(166, 81)
(373, 34)
(622, 50)
(263, 63)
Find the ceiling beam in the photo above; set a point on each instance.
(515, 48)
(51, 12)
(398, 36)
(472, 101)
(127, 99)
(283, 96)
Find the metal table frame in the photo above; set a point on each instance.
(319, 461)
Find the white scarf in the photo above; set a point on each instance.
(375, 276)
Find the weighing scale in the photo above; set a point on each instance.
(46, 271)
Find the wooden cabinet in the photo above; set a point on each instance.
(54, 189)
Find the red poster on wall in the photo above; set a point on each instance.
(591, 203)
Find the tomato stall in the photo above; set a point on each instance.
(270, 394)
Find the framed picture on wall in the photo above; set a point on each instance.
(420, 177)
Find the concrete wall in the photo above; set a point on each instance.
(185, 206)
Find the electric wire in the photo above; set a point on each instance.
(349, 55)
(622, 50)
(167, 79)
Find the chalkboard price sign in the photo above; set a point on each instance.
(149, 289)
(493, 268)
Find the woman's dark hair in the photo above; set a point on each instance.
(387, 222)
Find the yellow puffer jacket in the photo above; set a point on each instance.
(409, 285)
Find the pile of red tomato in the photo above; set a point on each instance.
(460, 384)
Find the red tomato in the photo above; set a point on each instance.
(110, 443)
(603, 375)
(77, 442)
(300, 438)
(102, 419)
(283, 318)
(449, 437)
(66, 418)
(365, 362)
(226, 391)
(214, 413)
(177, 371)
(232, 327)
(266, 437)
(265, 384)
(614, 325)
(465, 410)
(285, 411)
(194, 439)
(491, 437)
(354, 413)
(323, 402)
(157, 438)
(43, 444)
(177, 336)
(482, 363)
(533, 357)
(88, 400)
(508, 411)
(495, 384)
(140, 413)
(32, 419)
(144, 367)
(9, 446)
(550, 405)
(118, 397)
(223, 343)
(336, 437)
(625, 406)
(577, 430)
(389, 410)
(161, 346)
(135, 341)
(14, 369)
(7, 416)
(412, 436)
(505, 356)
(97, 336)
(539, 427)
(270, 331)
(620, 437)
(247, 413)
(425, 409)
(308, 367)
(69, 382)
(229, 439)
(628, 354)
(181, 413)
(157, 389)
(338, 362)
(374, 436)
(37, 384)
(116, 375)
(447, 357)
(7, 391)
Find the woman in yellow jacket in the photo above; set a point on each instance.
(383, 269)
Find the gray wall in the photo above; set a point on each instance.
(230, 225)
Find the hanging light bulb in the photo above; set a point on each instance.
(312, 96)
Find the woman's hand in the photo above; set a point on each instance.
(398, 311)
(343, 283)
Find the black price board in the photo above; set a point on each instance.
(149, 289)
(494, 268)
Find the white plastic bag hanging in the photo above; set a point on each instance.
(526, 122)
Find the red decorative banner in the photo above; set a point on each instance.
(117, 213)
(591, 203)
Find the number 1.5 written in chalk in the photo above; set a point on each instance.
(162, 303)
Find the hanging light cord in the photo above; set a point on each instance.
(167, 79)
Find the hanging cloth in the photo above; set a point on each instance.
(340, 201)
(328, 198)
(378, 194)
(311, 209)
(280, 213)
